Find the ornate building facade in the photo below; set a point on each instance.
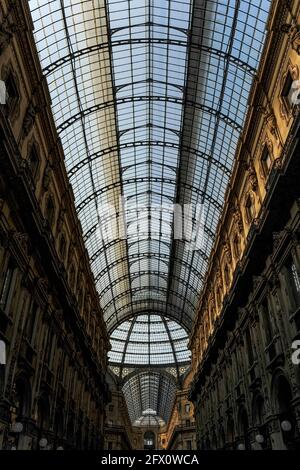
(246, 386)
(179, 433)
(98, 105)
(53, 390)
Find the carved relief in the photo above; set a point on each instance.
(6, 34)
(249, 204)
(265, 144)
(34, 146)
(293, 32)
(237, 218)
(227, 250)
(29, 120)
(47, 176)
(62, 212)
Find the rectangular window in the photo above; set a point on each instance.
(266, 161)
(12, 94)
(188, 423)
(249, 347)
(293, 281)
(267, 322)
(189, 445)
(187, 407)
(287, 91)
(31, 322)
(49, 345)
(7, 287)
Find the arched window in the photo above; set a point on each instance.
(50, 211)
(149, 440)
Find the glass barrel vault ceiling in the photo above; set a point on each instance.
(149, 340)
(149, 99)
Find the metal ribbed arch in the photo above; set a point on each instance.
(138, 398)
(94, 195)
(166, 144)
(149, 99)
(149, 340)
(89, 50)
(158, 309)
(136, 99)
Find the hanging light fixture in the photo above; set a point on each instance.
(43, 443)
(241, 446)
(286, 426)
(17, 428)
(259, 438)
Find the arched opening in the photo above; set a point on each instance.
(282, 398)
(70, 429)
(43, 416)
(243, 425)
(149, 440)
(58, 428)
(230, 433)
(79, 437)
(207, 443)
(221, 438)
(214, 442)
(22, 398)
(258, 421)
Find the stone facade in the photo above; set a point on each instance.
(179, 433)
(246, 386)
(53, 389)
